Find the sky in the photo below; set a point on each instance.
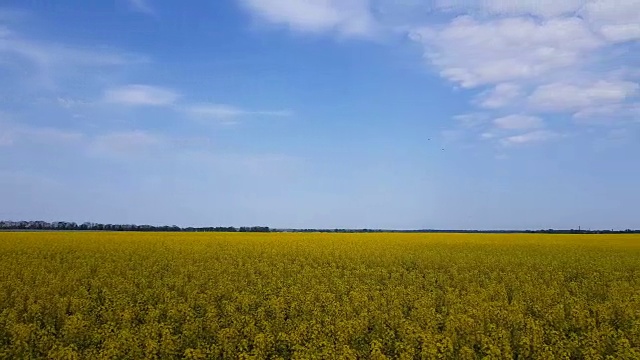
(396, 114)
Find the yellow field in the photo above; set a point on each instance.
(322, 296)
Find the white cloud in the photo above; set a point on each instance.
(541, 8)
(518, 122)
(622, 32)
(500, 96)
(229, 114)
(536, 57)
(560, 97)
(529, 138)
(142, 95)
(501, 130)
(474, 53)
(346, 17)
(616, 20)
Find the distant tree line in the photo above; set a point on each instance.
(544, 231)
(90, 226)
(573, 231)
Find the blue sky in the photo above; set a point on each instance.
(487, 114)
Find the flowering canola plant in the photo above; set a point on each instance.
(97, 295)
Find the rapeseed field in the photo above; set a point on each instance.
(319, 296)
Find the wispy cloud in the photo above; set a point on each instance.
(230, 114)
(71, 103)
(142, 6)
(12, 134)
(55, 54)
(610, 114)
(49, 63)
(344, 17)
(149, 96)
(105, 143)
(518, 122)
(130, 145)
(529, 138)
(141, 95)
